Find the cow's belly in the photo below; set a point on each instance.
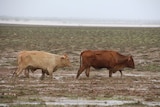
(99, 66)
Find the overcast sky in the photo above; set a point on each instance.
(95, 9)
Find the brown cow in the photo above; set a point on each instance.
(98, 59)
(48, 62)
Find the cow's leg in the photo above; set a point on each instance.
(121, 72)
(50, 71)
(14, 73)
(87, 71)
(26, 73)
(43, 74)
(55, 69)
(46, 72)
(19, 71)
(51, 75)
(81, 69)
(110, 73)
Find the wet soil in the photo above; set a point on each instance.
(139, 87)
(133, 86)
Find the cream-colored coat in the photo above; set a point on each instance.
(42, 60)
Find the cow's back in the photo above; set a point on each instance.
(37, 58)
(99, 59)
(105, 58)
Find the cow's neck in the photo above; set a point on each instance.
(122, 60)
(119, 67)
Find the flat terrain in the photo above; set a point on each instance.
(137, 88)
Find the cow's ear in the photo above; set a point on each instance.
(65, 54)
(63, 57)
(129, 58)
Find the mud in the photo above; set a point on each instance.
(135, 87)
(139, 87)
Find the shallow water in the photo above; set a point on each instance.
(79, 102)
(64, 102)
(66, 91)
(69, 102)
(89, 102)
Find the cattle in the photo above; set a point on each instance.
(98, 59)
(48, 62)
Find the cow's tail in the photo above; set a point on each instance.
(80, 66)
(80, 60)
(19, 59)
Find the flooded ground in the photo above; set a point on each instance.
(139, 87)
(134, 88)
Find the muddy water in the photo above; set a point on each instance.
(134, 88)
(66, 102)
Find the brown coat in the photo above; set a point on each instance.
(98, 59)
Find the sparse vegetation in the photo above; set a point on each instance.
(73, 40)
(142, 43)
(50, 38)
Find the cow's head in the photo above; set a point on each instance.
(130, 62)
(65, 60)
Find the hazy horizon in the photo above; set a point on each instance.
(80, 9)
(78, 22)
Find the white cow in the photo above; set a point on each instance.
(48, 62)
